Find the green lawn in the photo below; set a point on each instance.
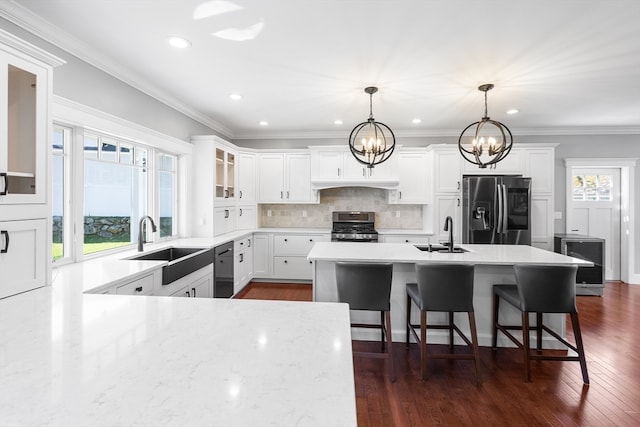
(89, 248)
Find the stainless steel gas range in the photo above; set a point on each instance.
(353, 226)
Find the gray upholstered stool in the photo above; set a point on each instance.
(446, 288)
(368, 287)
(540, 289)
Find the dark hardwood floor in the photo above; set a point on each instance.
(556, 396)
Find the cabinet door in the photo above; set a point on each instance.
(446, 205)
(262, 255)
(412, 173)
(447, 171)
(353, 169)
(246, 218)
(292, 268)
(22, 256)
(141, 286)
(24, 128)
(202, 288)
(326, 164)
(225, 174)
(540, 167)
(246, 178)
(271, 178)
(224, 220)
(298, 186)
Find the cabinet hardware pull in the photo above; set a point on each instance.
(458, 185)
(406, 241)
(364, 172)
(249, 241)
(575, 229)
(458, 201)
(281, 195)
(311, 240)
(287, 194)
(188, 294)
(139, 289)
(6, 183)
(241, 257)
(310, 262)
(400, 193)
(5, 233)
(194, 292)
(226, 213)
(240, 211)
(285, 261)
(338, 171)
(226, 194)
(285, 240)
(240, 194)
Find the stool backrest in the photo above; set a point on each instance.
(445, 287)
(547, 288)
(364, 286)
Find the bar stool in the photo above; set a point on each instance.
(367, 287)
(446, 288)
(540, 289)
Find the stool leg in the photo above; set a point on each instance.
(526, 346)
(539, 332)
(392, 373)
(451, 331)
(408, 319)
(423, 344)
(382, 331)
(578, 337)
(494, 329)
(474, 344)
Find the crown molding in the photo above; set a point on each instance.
(26, 19)
(20, 45)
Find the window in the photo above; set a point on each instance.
(592, 187)
(61, 187)
(115, 191)
(167, 194)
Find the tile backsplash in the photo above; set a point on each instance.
(402, 217)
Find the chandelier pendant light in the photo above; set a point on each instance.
(487, 141)
(371, 142)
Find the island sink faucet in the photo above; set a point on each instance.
(448, 226)
(141, 239)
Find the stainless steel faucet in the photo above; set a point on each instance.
(448, 226)
(141, 239)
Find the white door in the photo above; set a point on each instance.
(593, 209)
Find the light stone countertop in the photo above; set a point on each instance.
(408, 253)
(73, 359)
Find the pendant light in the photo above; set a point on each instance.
(485, 145)
(371, 142)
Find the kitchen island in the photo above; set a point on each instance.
(74, 359)
(493, 265)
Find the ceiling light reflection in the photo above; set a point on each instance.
(240, 34)
(179, 42)
(264, 123)
(235, 96)
(212, 8)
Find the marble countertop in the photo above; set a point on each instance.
(408, 253)
(73, 359)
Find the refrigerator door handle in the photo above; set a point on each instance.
(505, 210)
(500, 208)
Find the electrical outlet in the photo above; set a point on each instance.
(268, 212)
(397, 214)
(304, 214)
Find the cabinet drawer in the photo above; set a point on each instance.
(413, 238)
(296, 244)
(242, 244)
(142, 286)
(292, 267)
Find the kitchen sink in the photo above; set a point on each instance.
(440, 248)
(181, 261)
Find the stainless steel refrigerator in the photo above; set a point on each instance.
(496, 209)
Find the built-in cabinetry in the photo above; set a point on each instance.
(285, 178)
(198, 284)
(416, 239)
(283, 256)
(140, 285)
(263, 255)
(225, 167)
(25, 146)
(333, 165)
(413, 169)
(447, 178)
(242, 262)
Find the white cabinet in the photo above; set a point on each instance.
(262, 255)
(200, 288)
(198, 284)
(143, 285)
(242, 263)
(539, 165)
(22, 256)
(246, 219)
(413, 172)
(290, 255)
(224, 220)
(25, 153)
(447, 170)
(337, 163)
(445, 205)
(285, 178)
(225, 175)
(512, 164)
(246, 178)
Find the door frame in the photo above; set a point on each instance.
(628, 267)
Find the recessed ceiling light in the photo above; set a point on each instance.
(264, 123)
(512, 111)
(179, 42)
(337, 122)
(235, 96)
(416, 121)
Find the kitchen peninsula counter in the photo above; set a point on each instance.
(74, 359)
(493, 265)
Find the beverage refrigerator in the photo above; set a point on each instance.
(496, 209)
(589, 280)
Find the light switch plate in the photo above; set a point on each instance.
(558, 215)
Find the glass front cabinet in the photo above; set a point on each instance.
(225, 174)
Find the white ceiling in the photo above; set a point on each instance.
(568, 66)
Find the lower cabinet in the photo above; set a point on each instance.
(22, 256)
(141, 286)
(262, 255)
(290, 255)
(446, 205)
(242, 263)
(198, 284)
(418, 239)
(292, 267)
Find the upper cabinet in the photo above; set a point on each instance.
(246, 193)
(334, 166)
(285, 178)
(447, 169)
(413, 169)
(225, 167)
(512, 164)
(23, 132)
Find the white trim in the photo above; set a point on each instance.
(26, 48)
(627, 166)
(73, 113)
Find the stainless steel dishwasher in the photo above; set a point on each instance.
(223, 271)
